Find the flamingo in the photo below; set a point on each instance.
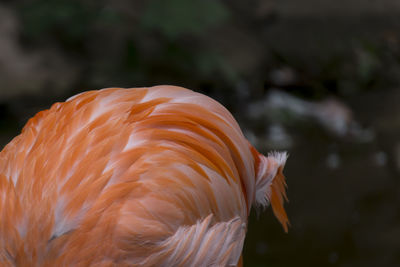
(158, 176)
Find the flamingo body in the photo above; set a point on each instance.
(159, 176)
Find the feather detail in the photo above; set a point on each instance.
(202, 244)
(271, 185)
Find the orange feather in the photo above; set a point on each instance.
(159, 176)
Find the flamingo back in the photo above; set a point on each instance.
(159, 176)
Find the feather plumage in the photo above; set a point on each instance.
(158, 176)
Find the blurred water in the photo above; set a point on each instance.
(344, 196)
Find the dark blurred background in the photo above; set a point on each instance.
(318, 78)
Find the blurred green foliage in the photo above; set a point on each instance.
(176, 17)
(368, 62)
(160, 39)
(65, 21)
(197, 43)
